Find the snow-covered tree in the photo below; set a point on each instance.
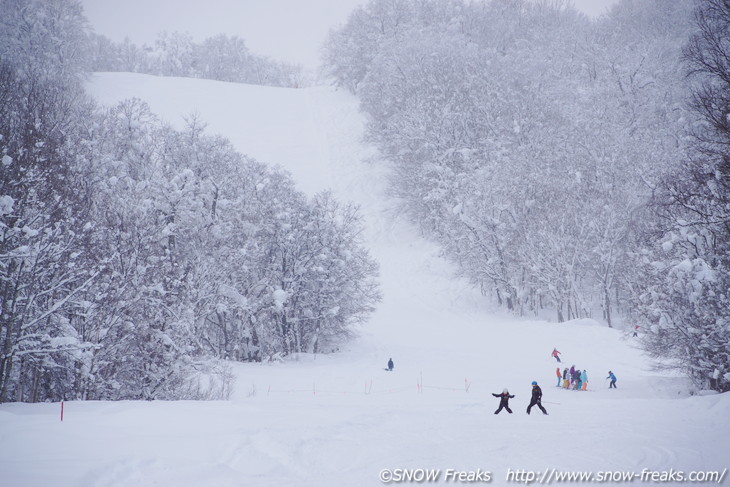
(688, 268)
(42, 217)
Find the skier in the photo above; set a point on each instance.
(555, 354)
(504, 401)
(584, 380)
(565, 378)
(572, 374)
(390, 364)
(576, 380)
(636, 330)
(613, 380)
(560, 376)
(536, 398)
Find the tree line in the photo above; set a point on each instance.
(221, 57)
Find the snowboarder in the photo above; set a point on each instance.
(584, 380)
(560, 376)
(536, 398)
(566, 382)
(504, 401)
(390, 364)
(636, 330)
(613, 380)
(555, 354)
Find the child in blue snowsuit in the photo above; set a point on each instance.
(613, 380)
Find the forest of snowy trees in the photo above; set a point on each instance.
(222, 58)
(133, 257)
(565, 165)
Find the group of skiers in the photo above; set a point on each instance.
(577, 379)
(535, 400)
(572, 378)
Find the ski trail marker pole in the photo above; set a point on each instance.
(62, 411)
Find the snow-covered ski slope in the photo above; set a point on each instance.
(308, 421)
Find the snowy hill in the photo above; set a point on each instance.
(340, 419)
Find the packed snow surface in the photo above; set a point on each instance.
(340, 419)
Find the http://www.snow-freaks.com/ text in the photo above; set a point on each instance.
(548, 476)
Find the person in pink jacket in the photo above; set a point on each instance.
(555, 354)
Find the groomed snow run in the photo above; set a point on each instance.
(338, 420)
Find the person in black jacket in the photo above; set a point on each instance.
(390, 364)
(504, 401)
(536, 398)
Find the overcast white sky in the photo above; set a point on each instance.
(287, 30)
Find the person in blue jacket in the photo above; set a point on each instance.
(613, 380)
